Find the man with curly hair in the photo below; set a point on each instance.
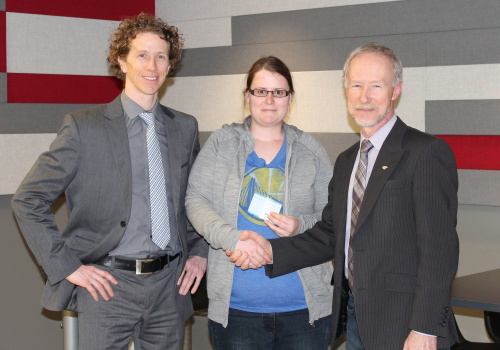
(128, 257)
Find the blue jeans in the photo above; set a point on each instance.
(353, 338)
(258, 331)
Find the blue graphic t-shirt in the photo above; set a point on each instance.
(252, 290)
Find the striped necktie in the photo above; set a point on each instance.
(160, 226)
(358, 191)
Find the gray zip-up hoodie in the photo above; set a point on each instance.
(212, 201)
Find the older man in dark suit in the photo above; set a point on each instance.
(128, 256)
(389, 223)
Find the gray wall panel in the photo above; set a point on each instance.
(3, 87)
(443, 15)
(463, 47)
(476, 117)
(479, 187)
(23, 322)
(335, 144)
(34, 118)
(313, 55)
(2, 5)
(389, 18)
(399, 17)
(204, 137)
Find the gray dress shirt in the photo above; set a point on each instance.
(136, 241)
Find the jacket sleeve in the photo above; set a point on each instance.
(195, 243)
(200, 206)
(323, 177)
(46, 181)
(434, 200)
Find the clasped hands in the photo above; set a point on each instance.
(254, 251)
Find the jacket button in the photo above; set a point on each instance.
(123, 224)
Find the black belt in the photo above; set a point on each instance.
(140, 266)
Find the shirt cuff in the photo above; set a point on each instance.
(429, 335)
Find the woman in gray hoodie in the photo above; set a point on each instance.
(269, 177)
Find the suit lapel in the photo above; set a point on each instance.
(117, 132)
(344, 166)
(173, 143)
(386, 162)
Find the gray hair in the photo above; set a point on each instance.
(382, 50)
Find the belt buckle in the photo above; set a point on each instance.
(138, 266)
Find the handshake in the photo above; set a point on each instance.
(252, 251)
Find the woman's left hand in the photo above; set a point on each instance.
(283, 225)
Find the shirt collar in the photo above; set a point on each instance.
(132, 109)
(380, 135)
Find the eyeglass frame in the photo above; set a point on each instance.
(287, 93)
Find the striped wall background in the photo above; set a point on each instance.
(52, 61)
(55, 62)
(451, 53)
(450, 50)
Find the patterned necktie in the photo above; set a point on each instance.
(160, 225)
(358, 191)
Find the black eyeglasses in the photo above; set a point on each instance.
(275, 93)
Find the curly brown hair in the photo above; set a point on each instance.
(121, 37)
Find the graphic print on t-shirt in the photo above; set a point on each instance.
(268, 182)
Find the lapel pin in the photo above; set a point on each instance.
(384, 167)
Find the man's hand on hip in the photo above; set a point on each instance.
(94, 280)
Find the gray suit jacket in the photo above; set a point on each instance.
(405, 246)
(90, 161)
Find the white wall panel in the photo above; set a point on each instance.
(466, 82)
(206, 32)
(19, 153)
(216, 100)
(57, 45)
(411, 104)
(320, 103)
(213, 100)
(176, 10)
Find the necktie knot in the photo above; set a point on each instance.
(366, 146)
(149, 118)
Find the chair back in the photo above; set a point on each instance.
(492, 323)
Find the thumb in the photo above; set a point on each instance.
(245, 235)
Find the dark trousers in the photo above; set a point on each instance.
(143, 308)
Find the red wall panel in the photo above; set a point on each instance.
(3, 43)
(114, 10)
(53, 88)
(475, 151)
